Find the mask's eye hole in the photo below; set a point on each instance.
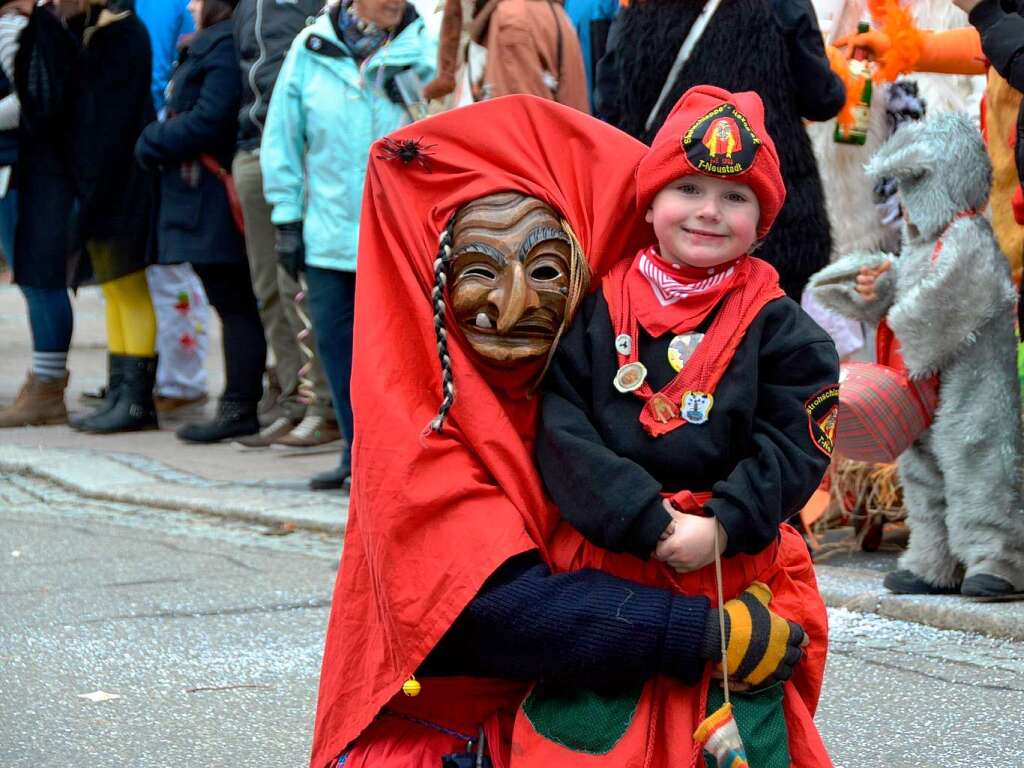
(479, 271)
(545, 273)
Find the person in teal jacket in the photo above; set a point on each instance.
(336, 94)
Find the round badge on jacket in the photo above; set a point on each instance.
(630, 377)
(696, 406)
(681, 349)
(623, 344)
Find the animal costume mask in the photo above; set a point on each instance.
(939, 174)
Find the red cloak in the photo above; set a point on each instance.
(431, 517)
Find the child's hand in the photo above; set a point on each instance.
(688, 542)
(867, 277)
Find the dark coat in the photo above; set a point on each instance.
(45, 239)
(264, 30)
(748, 46)
(195, 223)
(1001, 26)
(112, 106)
(759, 452)
(8, 139)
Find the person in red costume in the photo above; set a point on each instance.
(486, 226)
(706, 401)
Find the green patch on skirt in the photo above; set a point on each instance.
(582, 720)
(761, 722)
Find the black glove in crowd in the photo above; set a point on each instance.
(291, 254)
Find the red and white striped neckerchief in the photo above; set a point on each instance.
(666, 297)
(686, 282)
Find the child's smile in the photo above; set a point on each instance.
(701, 221)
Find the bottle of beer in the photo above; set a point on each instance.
(860, 65)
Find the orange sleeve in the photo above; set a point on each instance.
(952, 52)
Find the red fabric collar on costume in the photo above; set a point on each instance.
(689, 397)
(431, 518)
(679, 297)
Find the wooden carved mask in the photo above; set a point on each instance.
(509, 276)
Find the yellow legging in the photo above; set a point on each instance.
(131, 322)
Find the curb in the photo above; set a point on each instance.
(130, 479)
(861, 591)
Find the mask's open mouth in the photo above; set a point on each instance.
(533, 325)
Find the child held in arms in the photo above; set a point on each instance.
(692, 405)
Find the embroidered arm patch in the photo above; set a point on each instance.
(822, 416)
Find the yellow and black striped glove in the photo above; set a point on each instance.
(761, 646)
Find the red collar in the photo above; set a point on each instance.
(689, 397)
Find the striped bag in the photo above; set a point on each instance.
(882, 411)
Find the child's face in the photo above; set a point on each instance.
(702, 221)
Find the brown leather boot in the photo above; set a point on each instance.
(40, 401)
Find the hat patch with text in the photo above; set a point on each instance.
(721, 143)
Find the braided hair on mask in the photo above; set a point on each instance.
(444, 254)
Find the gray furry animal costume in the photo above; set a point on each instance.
(950, 303)
(749, 45)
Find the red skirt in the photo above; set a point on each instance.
(417, 731)
(666, 713)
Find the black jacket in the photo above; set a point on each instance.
(45, 239)
(112, 105)
(195, 223)
(757, 452)
(774, 49)
(8, 139)
(1001, 27)
(264, 30)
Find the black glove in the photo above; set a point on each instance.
(771, 646)
(291, 253)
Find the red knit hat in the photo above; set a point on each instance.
(715, 133)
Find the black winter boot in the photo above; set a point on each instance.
(234, 419)
(904, 582)
(134, 409)
(115, 375)
(332, 479)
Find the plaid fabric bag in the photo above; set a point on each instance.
(881, 409)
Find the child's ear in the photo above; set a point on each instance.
(649, 216)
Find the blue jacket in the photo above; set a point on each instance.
(592, 19)
(195, 217)
(166, 21)
(325, 113)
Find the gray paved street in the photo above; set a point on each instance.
(210, 633)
